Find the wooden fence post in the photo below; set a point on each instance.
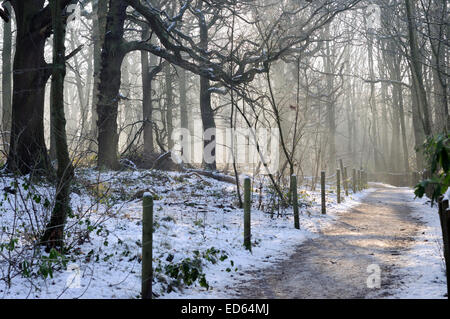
(247, 217)
(147, 246)
(295, 201)
(322, 189)
(338, 185)
(341, 166)
(345, 181)
(354, 180)
(444, 216)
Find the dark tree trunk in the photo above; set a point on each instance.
(440, 79)
(113, 54)
(207, 118)
(27, 145)
(403, 127)
(52, 148)
(99, 26)
(54, 234)
(416, 68)
(418, 127)
(207, 112)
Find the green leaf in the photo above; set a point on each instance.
(203, 283)
(420, 190)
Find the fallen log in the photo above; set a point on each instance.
(217, 176)
(159, 163)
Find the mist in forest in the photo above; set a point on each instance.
(220, 89)
(364, 82)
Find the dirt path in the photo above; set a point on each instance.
(335, 264)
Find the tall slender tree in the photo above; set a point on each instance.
(54, 234)
(6, 75)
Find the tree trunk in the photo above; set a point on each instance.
(125, 112)
(184, 115)
(99, 29)
(54, 234)
(373, 104)
(207, 113)
(395, 142)
(393, 64)
(384, 145)
(6, 79)
(27, 144)
(403, 128)
(398, 91)
(354, 138)
(440, 79)
(169, 105)
(109, 86)
(83, 90)
(147, 104)
(416, 67)
(418, 127)
(331, 109)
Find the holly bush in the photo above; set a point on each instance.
(436, 150)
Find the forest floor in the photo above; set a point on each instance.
(380, 232)
(198, 241)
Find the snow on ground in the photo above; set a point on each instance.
(276, 240)
(198, 240)
(424, 266)
(447, 194)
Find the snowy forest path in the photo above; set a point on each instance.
(335, 265)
